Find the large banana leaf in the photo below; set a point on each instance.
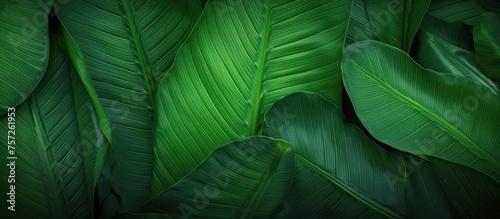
(423, 111)
(473, 194)
(487, 43)
(58, 145)
(243, 179)
(241, 57)
(396, 22)
(437, 54)
(340, 172)
(24, 49)
(128, 46)
(466, 11)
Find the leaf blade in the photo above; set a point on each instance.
(228, 83)
(340, 172)
(423, 125)
(487, 43)
(24, 50)
(242, 179)
(133, 46)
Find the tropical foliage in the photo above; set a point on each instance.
(250, 109)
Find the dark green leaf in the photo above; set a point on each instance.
(487, 43)
(396, 22)
(24, 49)
(242, 179)
(455, 11)
(439, 55)
(493, 5)
(340, 172)
(127, 47)
(473, 194)
(58, 144)
(458, 34)
(423, 111)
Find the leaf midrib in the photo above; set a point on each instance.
(445, 125)
(370, 203)
(250, 209)
(140, 51)
(55, 198)
(256, 93)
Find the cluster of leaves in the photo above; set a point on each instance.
(234, 108)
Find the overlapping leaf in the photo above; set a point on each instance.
(455, 11)
(24, 49)
(240, 58)
(473, 194)
(340, 172)
(359, 24)
(437, 54)
(423, 111)
(58, 145)
(396, 22)
(127, 47)
(458, 34)
(493, 5)
(487, 43)
(243, 179)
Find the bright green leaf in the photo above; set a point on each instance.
(423, 111)
(241, 57)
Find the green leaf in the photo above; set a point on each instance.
(473, 194)
(493, 5)
(76, 56)
(24, 49)
(243, 179)
(423, 111)
(455, 11)
(437, 54)
(58, 145)
(487, 43)
(340, 172)
(458, 34)
(396, 22)
(127, 215)
(127, 47)
(241, 57)
(424, 194)
(359, 25)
